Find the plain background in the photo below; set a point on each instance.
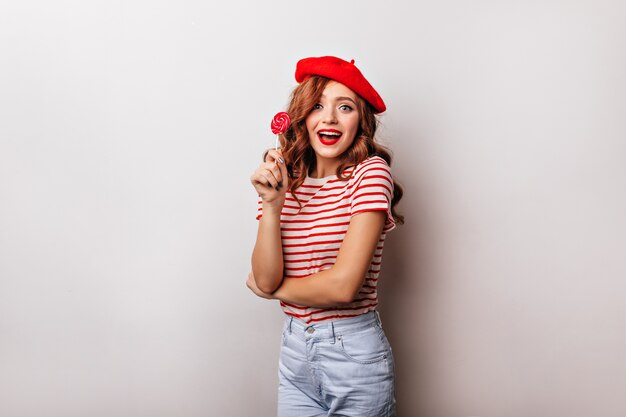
(128, 132)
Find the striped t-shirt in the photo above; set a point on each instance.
(312, 233)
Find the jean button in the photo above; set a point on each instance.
(310, 330)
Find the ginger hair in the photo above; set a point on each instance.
(299, 155)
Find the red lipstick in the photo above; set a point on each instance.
(328, 137)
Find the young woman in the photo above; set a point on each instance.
(327, 200)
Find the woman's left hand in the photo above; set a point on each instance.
(251, 283)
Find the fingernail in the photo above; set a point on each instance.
(281, 160)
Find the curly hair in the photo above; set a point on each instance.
(299, 155)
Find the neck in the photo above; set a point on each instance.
(325, 167)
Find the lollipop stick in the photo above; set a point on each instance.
(280, 183)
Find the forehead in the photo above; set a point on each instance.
(335, 89)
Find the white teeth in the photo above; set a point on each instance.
(330, 133)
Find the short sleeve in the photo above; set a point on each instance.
(372, 189)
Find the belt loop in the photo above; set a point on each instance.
(380, 323)
(332, 330)
(290, 321)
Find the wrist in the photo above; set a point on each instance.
(272, 208)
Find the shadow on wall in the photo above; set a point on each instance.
(402, 288)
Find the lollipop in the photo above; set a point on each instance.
(280, 124)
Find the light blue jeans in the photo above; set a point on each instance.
(336, 368)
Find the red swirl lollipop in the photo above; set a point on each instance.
(280, 124)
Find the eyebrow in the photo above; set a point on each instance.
(342, 98)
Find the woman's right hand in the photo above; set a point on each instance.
(271, 180)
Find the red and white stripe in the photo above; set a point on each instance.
(312, 234)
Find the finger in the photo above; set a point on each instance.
(274, 156)
(270, 179)
(274, 168)
(258, 178)
(261, 178)
(284, 174)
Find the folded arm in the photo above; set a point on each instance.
(341, 283)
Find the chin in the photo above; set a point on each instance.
(329, 155)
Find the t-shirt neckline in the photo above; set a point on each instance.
(319, 181)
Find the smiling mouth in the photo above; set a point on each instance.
(328, 137)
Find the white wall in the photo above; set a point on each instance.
(128, 131)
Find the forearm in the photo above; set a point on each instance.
(267, 256)
(325, 289)
(341, 283)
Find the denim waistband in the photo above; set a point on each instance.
(330, 327)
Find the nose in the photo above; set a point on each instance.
(330, 116)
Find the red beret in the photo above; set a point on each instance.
(341, 71)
